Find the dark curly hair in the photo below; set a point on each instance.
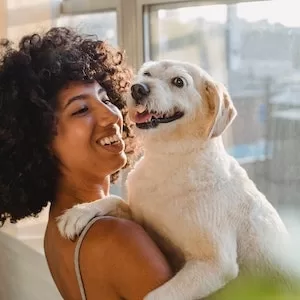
(30, 78)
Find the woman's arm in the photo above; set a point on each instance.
(119, 258)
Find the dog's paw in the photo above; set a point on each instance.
(73, 221)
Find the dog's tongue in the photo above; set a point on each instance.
(143, 117)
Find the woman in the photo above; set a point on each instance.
(61, 142)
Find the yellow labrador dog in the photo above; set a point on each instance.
(187, 190)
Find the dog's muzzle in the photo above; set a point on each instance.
(150, 119)
(139, 92)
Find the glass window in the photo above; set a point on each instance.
(25, 17)
(15, 33)
(16, 4)
(254, 48)
(102, 24)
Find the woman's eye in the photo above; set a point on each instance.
(81, 111)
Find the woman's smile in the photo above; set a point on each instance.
(112, 143)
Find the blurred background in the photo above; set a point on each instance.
(251, 46)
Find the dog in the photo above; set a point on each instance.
(186, 190)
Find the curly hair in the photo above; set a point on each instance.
(30, 78)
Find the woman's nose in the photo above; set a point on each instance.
(108, 115)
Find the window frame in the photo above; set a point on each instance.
(125, 13)
(131, 15)
(143, 6)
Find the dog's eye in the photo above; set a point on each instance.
(147, 74)
(178, 81)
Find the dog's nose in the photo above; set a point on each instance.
(139, 91)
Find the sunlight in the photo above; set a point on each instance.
(285, 12)
(211, 13)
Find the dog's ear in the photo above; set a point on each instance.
(220, 107)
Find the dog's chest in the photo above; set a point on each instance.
(172, 223)
(174, 185)
(172, 204)
(156, 188)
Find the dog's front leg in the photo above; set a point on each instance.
(73, 220)
(196, 280)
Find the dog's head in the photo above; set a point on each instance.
(177, 100)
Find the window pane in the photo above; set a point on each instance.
(15, 33)
(16, 4)
(254, 48)
(27, 17)
(103, 24)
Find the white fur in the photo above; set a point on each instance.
(76, 218)
(192, 193)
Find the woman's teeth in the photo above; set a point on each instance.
(109, 140)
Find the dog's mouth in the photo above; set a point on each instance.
(151, 119)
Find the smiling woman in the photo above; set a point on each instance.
(38, 79)
(80, 128)
(64, 138)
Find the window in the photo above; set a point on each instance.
(26, 17)
(16, 4)
(102, 24)
(15, 33)
(254, 48)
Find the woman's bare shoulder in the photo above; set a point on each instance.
(119, 253)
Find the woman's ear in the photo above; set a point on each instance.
(221, 107)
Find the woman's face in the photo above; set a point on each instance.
(89, 132)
